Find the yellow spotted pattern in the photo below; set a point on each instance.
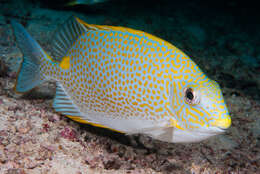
(128, 73)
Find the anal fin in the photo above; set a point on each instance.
(63, 103)
(80, 120)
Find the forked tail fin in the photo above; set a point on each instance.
(29, 75)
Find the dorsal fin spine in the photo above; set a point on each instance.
(65, 37)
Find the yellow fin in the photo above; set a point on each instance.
(78, 119)
(65, 63)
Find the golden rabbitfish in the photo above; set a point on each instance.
(125, 80)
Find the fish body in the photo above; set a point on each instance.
(125, 80)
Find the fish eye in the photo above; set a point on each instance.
(190, 96)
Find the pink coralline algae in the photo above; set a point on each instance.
(68, 133)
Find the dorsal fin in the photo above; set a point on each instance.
(67, 34)
(108, 28)
(88, 26)
(64, 37)
(129, 30)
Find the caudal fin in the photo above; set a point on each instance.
(29, 75)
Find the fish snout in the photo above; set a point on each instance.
(222, 123)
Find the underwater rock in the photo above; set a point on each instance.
(256, 128)
(227, 143)
(3, 69)
(222, 142)
(44, 91)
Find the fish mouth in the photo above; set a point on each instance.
(217, 130)
(222, 129)
(223, 124)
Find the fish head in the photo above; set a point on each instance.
(199, 109)
(212, 101)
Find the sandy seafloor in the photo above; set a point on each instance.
(222, 38)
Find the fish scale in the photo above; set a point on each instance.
(129, 81)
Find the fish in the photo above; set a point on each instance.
(84, 2)
(125, 80)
